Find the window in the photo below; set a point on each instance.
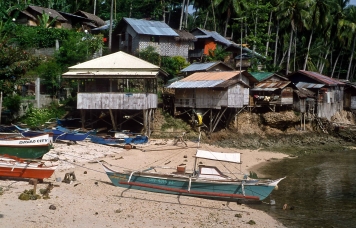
(154, 39)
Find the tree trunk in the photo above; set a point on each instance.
(337, 59)
(269, 32)
(206, 19)
(212, 6)
(351, 58)
(276, 46)
(307, 56)
(186, 14)
(289, 49)
(227, 21)
(110, 29)
(181, 15)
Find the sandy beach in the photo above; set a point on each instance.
(92, 200)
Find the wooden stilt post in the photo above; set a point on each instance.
(149, 122)
(112, 120)
(82, 113)
(211, 120)
(144, 121)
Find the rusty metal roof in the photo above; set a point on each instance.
(304, 93)
(156, 28)
(321, 78)
(270, 86)
(211, 76)
(309, 85)
(204, 79)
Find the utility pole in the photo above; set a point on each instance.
(110, 30)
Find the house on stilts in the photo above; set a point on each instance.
(212, 98)
(118, 89)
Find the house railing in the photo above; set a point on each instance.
(197, 53)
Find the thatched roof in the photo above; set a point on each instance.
(184, 36)
(51, 12)
(97, 20)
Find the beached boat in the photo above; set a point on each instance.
(26, 147)
(112, 141)
(15, 167)
(56, 133)
(203, 181)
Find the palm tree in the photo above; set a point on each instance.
(229, 7)
(320, 20)
(296, 12)
(347, 30)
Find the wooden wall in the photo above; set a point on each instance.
(131, 101)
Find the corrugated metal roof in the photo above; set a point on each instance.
(275, 84)
(195, 84)
(261, 75)
(321, 78)
(231, 82)
(211, 76)
(304, 93)
(199, 66)
(263, 89)
(157, 28)
(309, 85)
(216, 36)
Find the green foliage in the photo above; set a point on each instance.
(219, 54)
(35, 117)
(14, 62)
(77, 48)
(44, 20)
(173, 65)
(173, 123)
(38, 37)
(150, 55)
(12, 103)
(253, 175)
(50, 72)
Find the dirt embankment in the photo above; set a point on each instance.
(282, 131)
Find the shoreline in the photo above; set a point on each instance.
(93, 201)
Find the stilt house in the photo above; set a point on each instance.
(329, 92)
(210, 98)
(119, 86)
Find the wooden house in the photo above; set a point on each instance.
(329, 92)
(350, 97)
(30, 16)
(210, 97)
(272, 91)
(94, 22)
(133, 35)
(119, 86)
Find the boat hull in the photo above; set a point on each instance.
(22, 147)
(231, 190)
(24, 169)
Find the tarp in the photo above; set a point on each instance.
(219, 156)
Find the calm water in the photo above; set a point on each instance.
(320, 190)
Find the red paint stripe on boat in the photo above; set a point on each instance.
(191, 192)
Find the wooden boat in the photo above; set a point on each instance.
(107, 140)
(56, 134)
(69, 122)
(203, 181)
(11, 166)
(26, 147)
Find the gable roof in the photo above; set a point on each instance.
(260, 76)
(203, 66)
(51, 12)
(116, 65)
(271, 86)
(145, 27)
(97, 20)
(318, 77)
(205, 79)
(211, 34)
(184, 36)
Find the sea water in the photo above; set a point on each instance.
(319, 191)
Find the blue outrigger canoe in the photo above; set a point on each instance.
(138, 139)
(204, 181)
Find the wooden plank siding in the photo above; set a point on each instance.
(130, 101)
(330, 101)
(234, 97)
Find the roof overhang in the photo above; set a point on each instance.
(110, 74)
